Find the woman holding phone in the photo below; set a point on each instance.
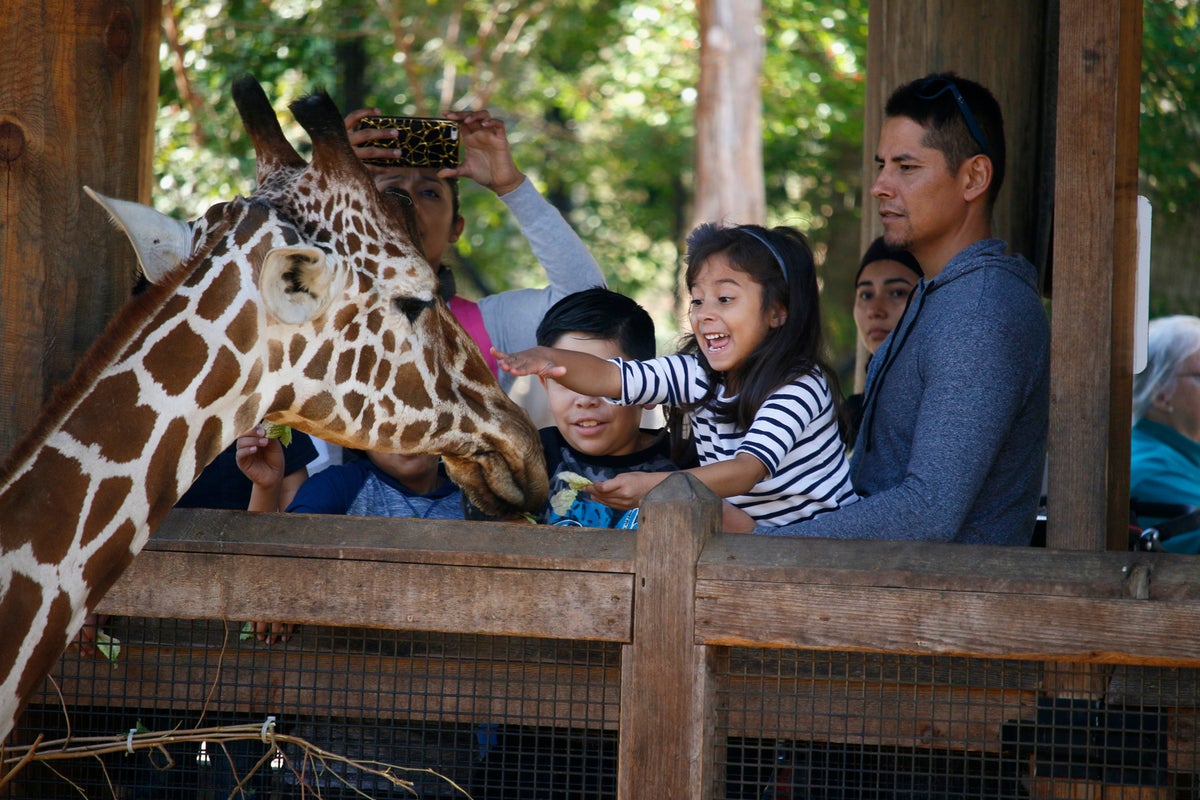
(507, 320)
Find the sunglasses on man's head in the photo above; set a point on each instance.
(933, 88)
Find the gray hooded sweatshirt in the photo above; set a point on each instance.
(953, 439)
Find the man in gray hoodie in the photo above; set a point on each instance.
(953, 437)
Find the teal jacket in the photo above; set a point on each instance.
(1164, 467)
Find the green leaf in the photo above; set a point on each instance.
(109, 646)
(281, 432)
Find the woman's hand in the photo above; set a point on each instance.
(362, 141)
(486, 156)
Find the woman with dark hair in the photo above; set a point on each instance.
(886, 278)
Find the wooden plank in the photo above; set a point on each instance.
(1033, 572)
(918, 717)
(556, 603)
(415, 541)
(666, 681)
(947, 622)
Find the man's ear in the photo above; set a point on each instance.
(977, 177)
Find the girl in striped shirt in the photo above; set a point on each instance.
(750, 377)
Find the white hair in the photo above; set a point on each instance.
(1170, 340)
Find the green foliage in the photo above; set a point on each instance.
(599, 97)
(813, 96)
(1169, 147)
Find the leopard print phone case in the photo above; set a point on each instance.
(423, 141)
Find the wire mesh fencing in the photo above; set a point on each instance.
(822, 725)
(353, 713)
(347, 712)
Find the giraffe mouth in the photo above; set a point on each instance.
(494, 487)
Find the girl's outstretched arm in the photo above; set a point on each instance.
(728, 478)
(580, 372)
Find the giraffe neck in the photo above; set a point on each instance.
(111, 455)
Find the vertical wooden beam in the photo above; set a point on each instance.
(1099, 64)
(667, 684)
(78, 96)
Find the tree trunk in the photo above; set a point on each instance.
(729, 166)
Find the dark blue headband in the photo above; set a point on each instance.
(778, 258)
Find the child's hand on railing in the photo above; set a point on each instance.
(269, 632)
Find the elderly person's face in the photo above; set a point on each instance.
(1179, 406)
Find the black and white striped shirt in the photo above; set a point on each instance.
(794, 434)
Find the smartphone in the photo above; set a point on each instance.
(422, 141)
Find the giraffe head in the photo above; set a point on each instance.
(339, 312)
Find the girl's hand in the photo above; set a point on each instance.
(626, 490)
(486, 157)
(260, 459)
(734, 520)
(534, 361)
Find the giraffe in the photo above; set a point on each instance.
(305, 303)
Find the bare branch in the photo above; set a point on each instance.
(405, 40)
(183, 84)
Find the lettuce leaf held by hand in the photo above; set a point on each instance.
(563, 499)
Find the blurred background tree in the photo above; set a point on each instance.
(600, 98)
(1169, 151)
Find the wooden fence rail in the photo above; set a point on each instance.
(673, 596)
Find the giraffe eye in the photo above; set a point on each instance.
(411, 307)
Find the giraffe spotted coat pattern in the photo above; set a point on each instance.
(305, 303)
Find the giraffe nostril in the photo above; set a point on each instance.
(411, 307)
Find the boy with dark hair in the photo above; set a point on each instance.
(592, 437)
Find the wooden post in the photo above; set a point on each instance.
(667, 701)
(1099, 69)
(1098, 95)
(78, 97)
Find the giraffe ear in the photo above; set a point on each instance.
(161, 242)
(297, 283)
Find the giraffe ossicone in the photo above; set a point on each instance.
(305, 303)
